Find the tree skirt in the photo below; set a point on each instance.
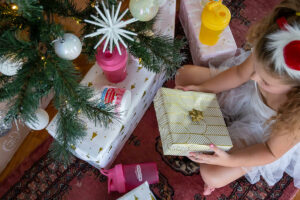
(39, 177)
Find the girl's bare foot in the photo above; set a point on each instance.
(208, 190)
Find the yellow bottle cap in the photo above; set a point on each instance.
(215, 16)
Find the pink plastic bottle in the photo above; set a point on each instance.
(113, 64)
(123, 178)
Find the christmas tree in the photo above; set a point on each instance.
(33, 65)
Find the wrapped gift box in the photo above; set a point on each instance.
(142, 192)
(190, 18)
(179, 133)
(101, 145)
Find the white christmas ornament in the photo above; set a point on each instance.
(144, 10)
(41, 122)
(9, 66)
(111, 27)
(69, 47)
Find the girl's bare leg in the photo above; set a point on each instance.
(218, 176)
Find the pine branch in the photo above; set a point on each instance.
(25, 92)
(69, 130)
(29, 9)
(4, 79)
(65, 8)
(79, 96)
(9, 19)
(10, 45)
(71, 99)
(158, 53)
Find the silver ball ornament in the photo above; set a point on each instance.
(69, 47)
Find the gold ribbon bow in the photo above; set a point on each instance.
(196, 115)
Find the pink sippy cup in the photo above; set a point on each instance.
(113, 64)
(123, 178)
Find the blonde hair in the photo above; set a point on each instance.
(287, 119)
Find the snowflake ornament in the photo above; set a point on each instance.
(111, 28)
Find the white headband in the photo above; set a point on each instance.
(282, 43)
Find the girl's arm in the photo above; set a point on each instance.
(231, 78)
(255, 155)
(262, 154)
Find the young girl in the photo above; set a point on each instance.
(260, 100)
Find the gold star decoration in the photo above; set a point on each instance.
(73, 147)
(152, 198)
(146, 79)
(100, 149)
(132, 86)
(144, 94)
(90, 84)
(196, 115)
(94, 135)
(139, 68)
(122, 128)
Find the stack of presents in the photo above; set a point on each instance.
(188, 121)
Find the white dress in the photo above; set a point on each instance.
(246, 114)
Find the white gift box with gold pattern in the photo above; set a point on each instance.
(142, 192)
(179, 133)
(190, 18)
(101, 145)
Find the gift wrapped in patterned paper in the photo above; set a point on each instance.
(190, 18)
(142, 192)
(189, 122)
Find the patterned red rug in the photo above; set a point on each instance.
(39, 177)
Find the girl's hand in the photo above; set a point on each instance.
(196, 88)
(219, 157)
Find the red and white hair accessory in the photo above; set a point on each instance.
(285, 45)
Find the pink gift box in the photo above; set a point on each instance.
(190, 18)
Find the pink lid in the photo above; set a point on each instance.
(111, 61)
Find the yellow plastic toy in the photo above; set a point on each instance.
(215, 18)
